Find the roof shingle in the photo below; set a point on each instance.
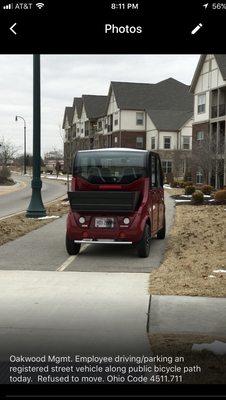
(94, 105)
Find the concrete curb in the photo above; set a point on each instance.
(187, 315)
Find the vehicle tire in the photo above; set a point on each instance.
(143, 248)
(162, 233)
(72, 247)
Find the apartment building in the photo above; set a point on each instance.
(67, 126)
(208, 133)
(143, 116)
(80, 124)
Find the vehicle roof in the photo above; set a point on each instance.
(114, 149)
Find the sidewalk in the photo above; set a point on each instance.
(73, 312)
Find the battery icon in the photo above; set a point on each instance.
(196, 29)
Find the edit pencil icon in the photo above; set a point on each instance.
(196, 29)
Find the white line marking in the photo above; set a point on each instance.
(70, 260)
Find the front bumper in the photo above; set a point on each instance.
(101, 241)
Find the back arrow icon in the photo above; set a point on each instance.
(12, 30)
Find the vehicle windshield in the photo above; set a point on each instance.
(110, 167)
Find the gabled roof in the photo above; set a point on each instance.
(77, 104)
(169, 120)
(94, 105)
(68, 114)
(130, 95)
(168, 103)
(221, 62)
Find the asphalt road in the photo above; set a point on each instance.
(44, 250)
(19, 200)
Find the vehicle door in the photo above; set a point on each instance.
(153, 193)
(160, 194)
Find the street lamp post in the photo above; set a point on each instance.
(36, 208)
(25, 152)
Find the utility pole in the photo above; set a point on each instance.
(36, 208)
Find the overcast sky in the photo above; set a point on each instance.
(67, 76)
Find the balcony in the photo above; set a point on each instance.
(214, 112)
(218, 102)
(222, 109)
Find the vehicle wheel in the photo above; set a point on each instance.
(143, 248)
(162, 233)
(72, 247)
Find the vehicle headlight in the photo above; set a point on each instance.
(82, 220)
(126, 221)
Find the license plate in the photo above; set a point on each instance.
(104, 222)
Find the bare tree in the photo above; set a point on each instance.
(207, 157)
(180, 157)
(7, 151)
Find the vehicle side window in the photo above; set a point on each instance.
(153, 171)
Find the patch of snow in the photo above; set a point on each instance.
(49, 217)
(211, 276)
(65, 203)
(216, 347)
(212, 200)
(189, 196)
(182, 201)
(61, 178)
(219, 271)
(167, 186)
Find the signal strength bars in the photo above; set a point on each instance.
(8, 7)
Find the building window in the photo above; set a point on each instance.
(199, 177)
(153, 143)
(167, 166)
(167, 142)
(139, 142)
(116, 139)
(116, 121)
(140, 118)
(200, 135)
(186, 143)
(110, 123)
(99, 125)
(201, 103)
(77, 130)
(82, 130)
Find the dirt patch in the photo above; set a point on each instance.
(18, 225)
(200, 366)
(174, 191)
(196, 247)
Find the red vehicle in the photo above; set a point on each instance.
(116, 197)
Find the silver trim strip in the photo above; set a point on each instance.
(100, 242)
